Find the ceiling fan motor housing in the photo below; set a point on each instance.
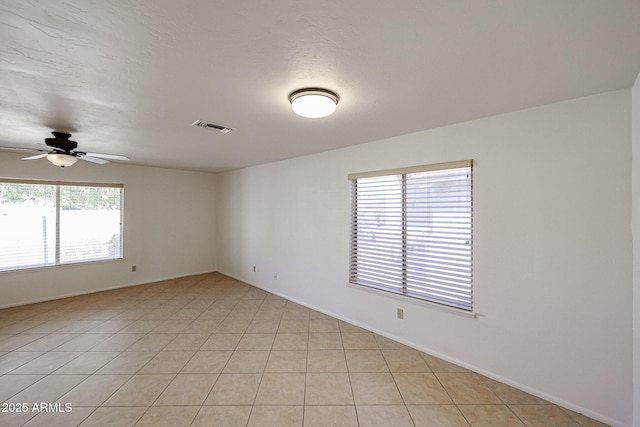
(61, 141)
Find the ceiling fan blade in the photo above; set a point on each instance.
(108, 156)
(94, 159)
(37, 156)
(23, 149)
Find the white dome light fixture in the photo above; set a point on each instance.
(313, 103)
(62, 160)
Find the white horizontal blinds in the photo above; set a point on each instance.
(377, 232)
(439, 238)
(90, 223)
(431, 222)
(48, 224)
(27, 225)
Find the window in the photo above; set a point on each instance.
(411, 232)
(44, 223)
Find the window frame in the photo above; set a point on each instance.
(402, 289)
(57, 212)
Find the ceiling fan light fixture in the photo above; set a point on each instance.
(62, 160)
(313, 103)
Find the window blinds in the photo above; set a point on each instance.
(50, 223)
(411, 232)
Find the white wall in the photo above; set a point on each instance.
(552, 246)
(169, 229)
(636, 245)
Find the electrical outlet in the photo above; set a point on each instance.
(254, 268)
(400, 313)
(134, 268)
(275, 276)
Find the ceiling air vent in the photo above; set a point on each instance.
(203, 124)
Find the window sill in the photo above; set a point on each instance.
(413, 300)
(70, 264)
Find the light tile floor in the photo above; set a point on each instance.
(208, 350)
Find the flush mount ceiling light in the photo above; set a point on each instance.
(313, 102)
(62, 160)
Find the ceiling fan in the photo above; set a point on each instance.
(63, 152)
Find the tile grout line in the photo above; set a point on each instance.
(237, 305)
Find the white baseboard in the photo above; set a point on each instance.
(92, 291)
(538, 393)
(553, 399)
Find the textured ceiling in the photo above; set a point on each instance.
(129, 77)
